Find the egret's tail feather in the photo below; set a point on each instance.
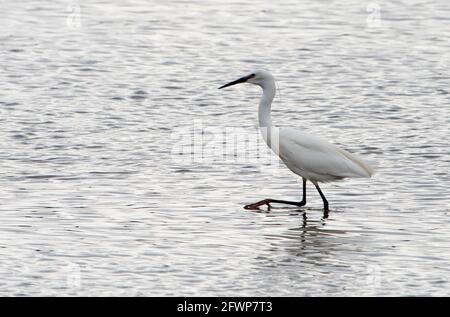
(364, 169)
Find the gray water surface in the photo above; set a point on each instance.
(95, 99)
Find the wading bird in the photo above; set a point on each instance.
(308, 156)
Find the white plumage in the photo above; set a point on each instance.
(308, 156)
(318, 160)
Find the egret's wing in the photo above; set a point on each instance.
(315, 155)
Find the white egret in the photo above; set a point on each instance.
(308, 156)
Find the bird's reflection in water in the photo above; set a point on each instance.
(305, 230)
(308, 233)
(302, 245)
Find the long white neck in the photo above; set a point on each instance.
(269, 90)
(265, 122)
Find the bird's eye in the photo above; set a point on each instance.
(252, 75)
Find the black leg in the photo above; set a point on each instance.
(325, 202)
(277, 201)
(303, 202)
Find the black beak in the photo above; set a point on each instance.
(238, 81)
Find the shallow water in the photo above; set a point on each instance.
(95, 102)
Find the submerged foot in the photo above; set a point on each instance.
(255, 206)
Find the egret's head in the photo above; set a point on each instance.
(258, 77)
